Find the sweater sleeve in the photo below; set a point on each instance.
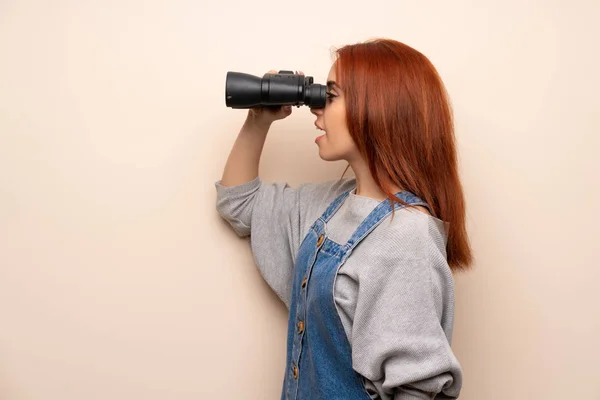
(401, 332)
(270, 215)
(275, 216)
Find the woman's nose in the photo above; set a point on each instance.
(317, 111)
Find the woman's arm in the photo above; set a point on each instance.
(244, 158)
(272, 213)
(402, 327)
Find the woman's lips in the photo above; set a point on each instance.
(320, 129)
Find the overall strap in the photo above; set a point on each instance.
(334, 206)
(379, 214)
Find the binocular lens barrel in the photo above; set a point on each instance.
(284, 88)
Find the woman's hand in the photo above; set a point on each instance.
(265, 116)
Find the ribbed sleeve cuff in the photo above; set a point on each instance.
(237, 191)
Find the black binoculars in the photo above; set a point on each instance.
(273, 90)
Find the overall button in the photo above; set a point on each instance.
(300, 326)
(320, 241)
(304, 282)
(295, 372)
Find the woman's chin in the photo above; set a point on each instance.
(323, 155)
(327, 157)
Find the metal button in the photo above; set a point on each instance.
(295, 371)
(320, 241)
(300, 326)
(304, 282)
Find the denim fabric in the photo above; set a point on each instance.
(319, 355)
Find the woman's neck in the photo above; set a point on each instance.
(365, 184)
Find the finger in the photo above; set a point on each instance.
(272, 71)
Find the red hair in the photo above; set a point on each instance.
(399, 116)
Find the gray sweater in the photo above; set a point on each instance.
(394, 294)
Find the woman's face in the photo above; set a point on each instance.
(336, 143)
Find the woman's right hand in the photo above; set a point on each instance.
(265, 116)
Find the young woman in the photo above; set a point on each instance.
(365, 265)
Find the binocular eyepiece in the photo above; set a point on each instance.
(273, 90)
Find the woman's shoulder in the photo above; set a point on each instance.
(413, 233)
(410, 247)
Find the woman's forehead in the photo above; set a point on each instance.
(331, 76)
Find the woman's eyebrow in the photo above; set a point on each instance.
(331, 84)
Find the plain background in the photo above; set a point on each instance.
(119, 281)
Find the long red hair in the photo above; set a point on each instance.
(399, 116)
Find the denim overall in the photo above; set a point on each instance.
(319, 356)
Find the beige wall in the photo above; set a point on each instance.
(119, 281)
